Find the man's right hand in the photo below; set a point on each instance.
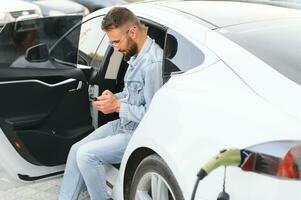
(107, 103)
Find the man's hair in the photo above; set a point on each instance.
(118, 17)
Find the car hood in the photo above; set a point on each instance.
(16, 5)
(64, 6)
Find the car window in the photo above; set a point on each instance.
(100, 53)
(180, 54)
(17, 37)
(91, 36)
(65, 51)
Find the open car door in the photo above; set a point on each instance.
(44, 106)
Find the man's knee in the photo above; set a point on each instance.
(84, 157)
(74, 148)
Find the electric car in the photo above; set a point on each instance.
(231, 74)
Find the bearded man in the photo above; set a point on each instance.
(106, 145)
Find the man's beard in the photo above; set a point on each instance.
(131, 51)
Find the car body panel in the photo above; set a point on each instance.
(235, 80)
(263, 79)
(258, 122)
(15, 165)
(229, 13)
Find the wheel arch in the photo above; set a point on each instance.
(135, 158)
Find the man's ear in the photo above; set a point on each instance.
(133, 32)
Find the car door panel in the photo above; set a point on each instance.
(50, 76)
(44, 105)
(50, 113)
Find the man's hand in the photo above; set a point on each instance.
(107, 103)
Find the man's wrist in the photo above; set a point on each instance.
(118, 104)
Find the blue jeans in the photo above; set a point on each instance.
(86, 160)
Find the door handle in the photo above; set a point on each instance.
(79, 86)
(40, 82)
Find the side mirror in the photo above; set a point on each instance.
(37, 53)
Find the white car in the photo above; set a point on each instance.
(232, 81)
(17, 9)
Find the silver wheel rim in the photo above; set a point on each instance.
(152, 186)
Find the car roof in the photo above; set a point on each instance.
(227, 13)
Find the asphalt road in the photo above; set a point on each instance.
(39, 190)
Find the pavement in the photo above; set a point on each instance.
(39, 190)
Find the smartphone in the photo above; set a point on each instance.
(92, 98)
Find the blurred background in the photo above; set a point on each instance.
(14, 10)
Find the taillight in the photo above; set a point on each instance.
(290, 166)
(280, 159)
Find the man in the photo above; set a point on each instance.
(106, 145)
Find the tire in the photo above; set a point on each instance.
(151, 173)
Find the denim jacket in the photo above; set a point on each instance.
(142, 79)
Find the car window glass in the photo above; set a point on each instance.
(65, 51)
(90, 37)
(180, 54)
(100, 53)
(17, 37)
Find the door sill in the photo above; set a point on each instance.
(34, 178)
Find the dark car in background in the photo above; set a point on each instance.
(17, 10)
(94, 5)
(60, 7)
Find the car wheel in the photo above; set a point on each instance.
(153, 180)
